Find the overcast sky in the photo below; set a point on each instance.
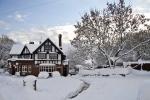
(31, 20)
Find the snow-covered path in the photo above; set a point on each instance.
(116, 88)
(84, 87)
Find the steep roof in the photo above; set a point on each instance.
(16, 49)
(32, 47)
(52, 44)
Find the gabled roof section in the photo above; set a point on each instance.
(25, 48)
(51, 43)
(32, 47)
(16, 49)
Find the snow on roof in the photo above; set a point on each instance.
(32, 47)
(14, 59)
(47, 64)
(16, 49)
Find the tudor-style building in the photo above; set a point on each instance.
(30, 59)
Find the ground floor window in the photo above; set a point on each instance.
(29, 68)
(24, 68)
(47, 68)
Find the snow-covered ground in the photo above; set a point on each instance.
(134, 86)
(58, 88)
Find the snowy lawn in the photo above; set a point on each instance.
(132, 87)
(58, 88)
(135, 86)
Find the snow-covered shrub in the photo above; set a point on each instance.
(56, 74)
(105, 71)
(1, 70)
(89, 64)
(43, 75)
(17, 73)
(6, 73)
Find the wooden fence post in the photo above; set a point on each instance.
(34, 85)
(24, 83)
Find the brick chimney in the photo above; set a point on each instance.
(60, 41)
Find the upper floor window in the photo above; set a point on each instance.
(53, 56)
(42, 56)
(47, 47)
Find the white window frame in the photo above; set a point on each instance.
(24, 68)
(47, 68)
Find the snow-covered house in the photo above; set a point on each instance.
(34, 58)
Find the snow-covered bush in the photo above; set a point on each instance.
(105, 71)
(85, 72)
(1, 70)
(56, 74)
(17, 73)
(43, 75)
(89, 64)
(6, 73)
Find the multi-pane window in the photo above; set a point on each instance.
(53, 56)
(24, 68)
(47, 47)
(26, 56)
(47, 68)
(42, 56)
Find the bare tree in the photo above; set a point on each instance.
(104, 31)
(5, 47)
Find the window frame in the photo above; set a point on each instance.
(43, 57)
(53, 56)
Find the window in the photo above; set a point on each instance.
(47, 68)
(24, 68)
(53, 56)
(47, 47)
(42, 56)
(29, 69)
(26, 56)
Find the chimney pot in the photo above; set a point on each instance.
(31, 42)
(60, 41)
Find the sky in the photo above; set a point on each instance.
(32, 20)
